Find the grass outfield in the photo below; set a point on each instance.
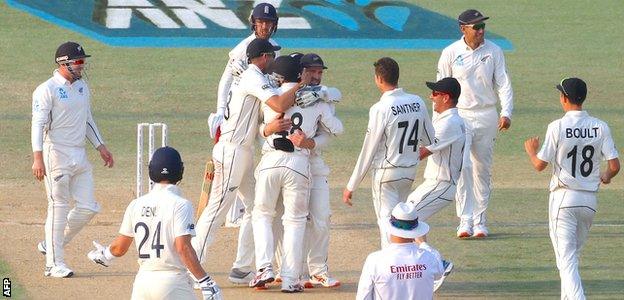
(178, 86)
(17, 291)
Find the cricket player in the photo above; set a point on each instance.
(162, 223)
(285, 169)
(479, 66)
(404, 269)
(61, 122)
(397, 125)
(575, 145)
(233, 154)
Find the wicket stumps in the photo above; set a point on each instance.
(151, 127)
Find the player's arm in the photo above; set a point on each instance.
(444, 65)
(94, 136)
(613, 168)
(502, 86)
(371, 142)
(610, 153)
(427, 132)
(329, 121)
(184, 248)
(41, 107)
(281, 103)
(105, 255)
(445, 136)
(366, 285)
(530, 146)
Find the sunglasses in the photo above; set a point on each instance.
(476, 27)
(436, 93)
(78, 62)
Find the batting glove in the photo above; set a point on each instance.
(210, 290)
(214, 121)
(237, 67)
(101, 255)
(308, 96)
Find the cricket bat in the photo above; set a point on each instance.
(206, 185)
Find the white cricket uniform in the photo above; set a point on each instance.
(225, 84)
(575, 145)
(288, 174)
(399, 271)
(61, 120)
(443, 165)
(155, 220)
(233, 157)
(397, 125)
(483, 78)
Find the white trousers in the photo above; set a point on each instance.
(571, 214)
(316, 247)
(157, 285)
(233, 169)
(390, 186)
(475, 182)
(431, 196)
(68, 177)
(294, 187)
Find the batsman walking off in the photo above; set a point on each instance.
(61, 121)
(575, 145)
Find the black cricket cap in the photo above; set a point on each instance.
(69, 51)
(447, 85)
(574, 89)
(312, 60)
(259, 46)
(471, 16)
(287, 67)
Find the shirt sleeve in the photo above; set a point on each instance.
(548, 153)
(41, 109)
(444, 65)
(502, 84)
(126, 225)
(223, 91)
(609, 151)
(372, 139)
(366, 285)
(262, 89)
(427, 131)
(444, 136)
(321, 138)
(183, 223)
(93, 134)
(329, 121)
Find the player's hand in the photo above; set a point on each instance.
(38, 167)
(604, 178)
(278, 124)
(298, 138)
(346, 197)
(210, 290)
(531, 145)
(504, 123)
(99, 256)
(106, 156)
(237, 67)
(214, 121)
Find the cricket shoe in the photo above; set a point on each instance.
(237, 276)
(263, 276)
(480, 231)
(59, 271)
(448, 267)
(292, 287)
(321, 279)
(464, 230)
(42, 247)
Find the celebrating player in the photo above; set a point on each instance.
(479, 66)
(163, 223)
(284, 169)
(233, 154)
(405, 269)
(61, 120)
(575, 145)
(397, 124)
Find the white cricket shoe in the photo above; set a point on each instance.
(263, 276)
(464, 230)
(59, 271)
(480, 231)
(292, 287)
(42, 247)
(237, 276)
(322, 279)
(448, 267)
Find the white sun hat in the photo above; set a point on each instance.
(404, 222)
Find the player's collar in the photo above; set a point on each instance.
(467, 47)
(59, 78)
(447, 112)
(392, 92)
(576, 113)
(167, 187)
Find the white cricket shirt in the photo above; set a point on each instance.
(242, 114)
(445, 162)
(61, 114)
(481, 73)
(575, 145)
(401, 272)
(398, 123)
(154, 221)
(227, 79)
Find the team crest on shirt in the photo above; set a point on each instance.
(266, 86)
(80, 90)
(62, 93)
(459, 61)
